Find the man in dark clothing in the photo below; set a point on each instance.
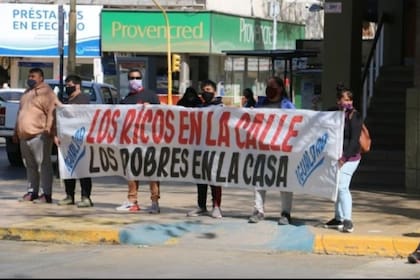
(210, 99)
(75, 96)
(139, 95)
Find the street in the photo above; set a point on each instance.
(46, 260)
(188, 258)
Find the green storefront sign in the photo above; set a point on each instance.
(191, 32)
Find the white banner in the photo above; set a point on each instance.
(276, 149)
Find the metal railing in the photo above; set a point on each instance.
(372, 66)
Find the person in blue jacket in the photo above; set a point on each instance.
(275, 97)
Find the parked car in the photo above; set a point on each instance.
(9, 105)
(11, 94)
(100, 93)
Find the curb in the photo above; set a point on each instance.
(298, 239)
(360, 245)
(97, 236)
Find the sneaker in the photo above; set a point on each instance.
(216, 213)
(29, 196)
(348, 226)
(414, 257)
(285, 219)
(43, 198)
(197, 212)
(68, 200)
(85, 202)
(334, 223)
(256, 217)
(154, 209)
(128, 207)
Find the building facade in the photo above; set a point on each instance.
(207, 28)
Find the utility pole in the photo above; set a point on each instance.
(275, 9)
(168, 52)
(61, 48)
(71, 57)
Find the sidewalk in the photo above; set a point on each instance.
(386, 223)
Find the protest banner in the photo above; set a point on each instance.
(275, 149)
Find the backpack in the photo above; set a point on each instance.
(365, 141)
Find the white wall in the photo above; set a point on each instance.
(290, 11)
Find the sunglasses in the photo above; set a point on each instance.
(134, 78)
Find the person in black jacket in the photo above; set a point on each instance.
(348, 162)
(75, 96)
(210, 99)
(190, 99)
(249, 99)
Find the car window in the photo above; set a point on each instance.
(115, 95)
(106, 94)
(90, 92)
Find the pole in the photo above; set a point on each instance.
(168, 38)
(274, 11)
(71, 58)
(61, 49)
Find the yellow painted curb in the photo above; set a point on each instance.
(95, 236)
(365, 245)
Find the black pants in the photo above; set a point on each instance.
(216, 193)
(85, 184)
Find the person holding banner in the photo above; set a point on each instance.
(348, 162)
(35, 131)
(139, 95)
(190, 98)
(249, 99)
(276, 97)
(75, 96)
(210, 98)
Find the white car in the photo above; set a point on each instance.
(9, 105)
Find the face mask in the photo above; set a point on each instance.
(31, 83)
(135, 85)
(70, 90)
(207, 96)
(346, 107)
(270, 92)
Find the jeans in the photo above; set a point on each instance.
(343, 205)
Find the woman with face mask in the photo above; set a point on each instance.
(348, 162)
(275, 97)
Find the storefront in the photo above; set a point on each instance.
(139, 37)
(109, 42)
(30, 39)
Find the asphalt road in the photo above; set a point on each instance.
(46, 260)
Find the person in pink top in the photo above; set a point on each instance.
(35, 131)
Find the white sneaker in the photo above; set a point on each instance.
(154, 209)
(197, 212)
(128, 206)
(216, 213)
